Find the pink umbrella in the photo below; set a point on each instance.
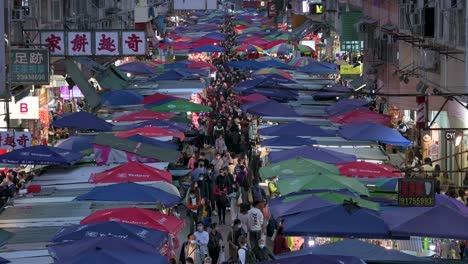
(252, 98)
(358, 116)
(363, 169)
(201, 65)
(176, 46)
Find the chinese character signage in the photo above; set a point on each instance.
(416, 192)
(29, 66)
(107, 43)
(101, 43)
(55, 42)
(14, 140)
(26, 108)
(133, 43)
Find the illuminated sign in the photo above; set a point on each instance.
(416, 192)
(350, 69)
(316, 9)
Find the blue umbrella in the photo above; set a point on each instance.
(322, 259)
(215, 35)
(288, 141)
(4, 261)
(121, 97)
(369, 131)
(76, 143)
(295, 129)
(277, 64)
(315, 67)
(41, 155)
(279, 94)
(153, 141)
(346, 105)
(269, 108)
(169, 75)
(313, 153)
(208, 48)
(247, 64)
(160, 123)
(104, 256)
(82, 121)
(153, 237)
(130, 192)
(137, 68)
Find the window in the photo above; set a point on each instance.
(56, 10)
(387, 49)
(44, 8)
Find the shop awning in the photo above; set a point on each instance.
(91, 95)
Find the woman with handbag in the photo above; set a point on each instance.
(221, 196)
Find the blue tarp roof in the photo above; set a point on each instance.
(269, 108)
(121, 97)
(315, 67)
(76, 143)
(369, 131)
(137, 68)
(313, 153)
(82, 121)
(351, 247)
(288, 141)
(295, 129)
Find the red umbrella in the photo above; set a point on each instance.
(144, 115)
(183, 39)
(256, 41)
(156, 97)
(137, 216)
(273, 43)
(205, 41)
(131, 172)
(358, 116)
(363, 169)
(201, 65)
(150, 131)
(176, 46)
(252, 98)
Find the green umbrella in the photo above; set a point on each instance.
(177, 106)
(240, 22)
(335, 197)
(5, 236)
(320, 182)
(297, 167)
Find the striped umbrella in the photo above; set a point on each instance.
(301, 61)
(247, 48)
(282, 49)
(266, 71)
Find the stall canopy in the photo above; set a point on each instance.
(76, 143)
(150, 131)
(177, 106)
(152, 237)
(296, 167)
(208, 48)
(368, 170)
(316, 67)
(360, 115)
(121, 97)
(290, 141)
(269, 108)
(357, 248)
(156, 97)
(137, 68)
(143, 115)
(313, 153)
(41, 155)
(154, 142)
(276, 94)
(82, 121)
(370, 131)
(247, 64)
(252, 98)
(322, 259)
(161, 124)
(295, 129)
(131, 172)
(346, 105)
(104, 256)
(130, 192)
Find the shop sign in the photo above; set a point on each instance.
(43, 97)
(416, 192)
(350, 69)
(14, 140)
(29, 66)
(100, 43)
(316, 9)
(272, 9)
(450, 135)
(26, 108)
(252, 4)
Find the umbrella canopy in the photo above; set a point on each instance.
(452, 202)
(360, 115)
(131, 172)
(388, 184)
(296, 167)
(150, 131)
(277, 64)
(121, 97)
(82, 121)
(215, 35)
(247, 64)
(103, 256)
(130, 192)
(322, 259)
(156, 97)
(279, 94)
(363, 169)
(413, 221)
(76, 143)
(137, 216)
(252, 98)
(181, 106)
(153, 142)
(294, 129)
(373, 132)
(282, 48)
(269, 108)
(283, 207)
(273, 71)
(340, 198)
(346, 105)
(287, 141)
(4, 261)
(137, 68)
(208, 48)
(315, 67)
(301, 61)
(4, 237)
(343, 220)
(161, 124)
(171, 75)
(143, 115)
(313, 153)
(41, 155)
(247, 48)
(202, 65)
(154, 238)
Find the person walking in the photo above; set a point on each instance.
(192, 251)
(262, 253)
(221, 196)
(255, 226)
(202, 238)
(193, 204)
(215, 243)
(233, 240)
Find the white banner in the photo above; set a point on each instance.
(107, 43)
(15, 140)
(54, 41)
(79, 43)
(133, 43)
(26, 108)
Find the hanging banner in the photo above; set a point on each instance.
(26, 108)
(14, 140)
(421, 119)
(79, 44)
(54, 41)
(107, 43)
(29, 66)
(133, 43)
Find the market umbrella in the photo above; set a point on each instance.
(202, 65)
(156, 97)
(340, 198)
(131, 172)
(413, 221)
(82, 121)
(313, 153)
(176, 46)
(388, 184)
(272, 71)
(121, 97)
(269, 58)
(76, 143)
(282, 208)
(363, 169)
(322, 259)
(296, 167)
(150, 131)
(247, 48)
(71, 249)
(41, 155)
(137, 216)
(294, 129)
(360, 115)
(370, 131)
(137, 67)
(301, 61)
(252, 98)
(452, 202)
(269, 108)
(4, 261)
(154, 238)
(208, 48)
(103, 256)
(277, 65)
(161, 124)
(181, 106)
(305, 49)
(342, 220)
(282, 49)
(130, 192)
(143, 115)
(346, 105)
(154, 142)
(315, 67)
(247, 64)
(293, 183)
(287, 141)
(5, 236)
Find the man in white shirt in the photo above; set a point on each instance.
(255, 224)
(202, 238)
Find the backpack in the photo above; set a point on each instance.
(249, 256)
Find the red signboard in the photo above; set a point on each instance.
(272, 9)
(416, 192)
(252, 4)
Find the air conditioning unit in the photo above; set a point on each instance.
(429, 59)
(17, 15)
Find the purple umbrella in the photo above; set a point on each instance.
(269, 108)
(346, 105)
(295, 129)
(313, 153)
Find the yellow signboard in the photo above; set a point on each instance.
(350, 69)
